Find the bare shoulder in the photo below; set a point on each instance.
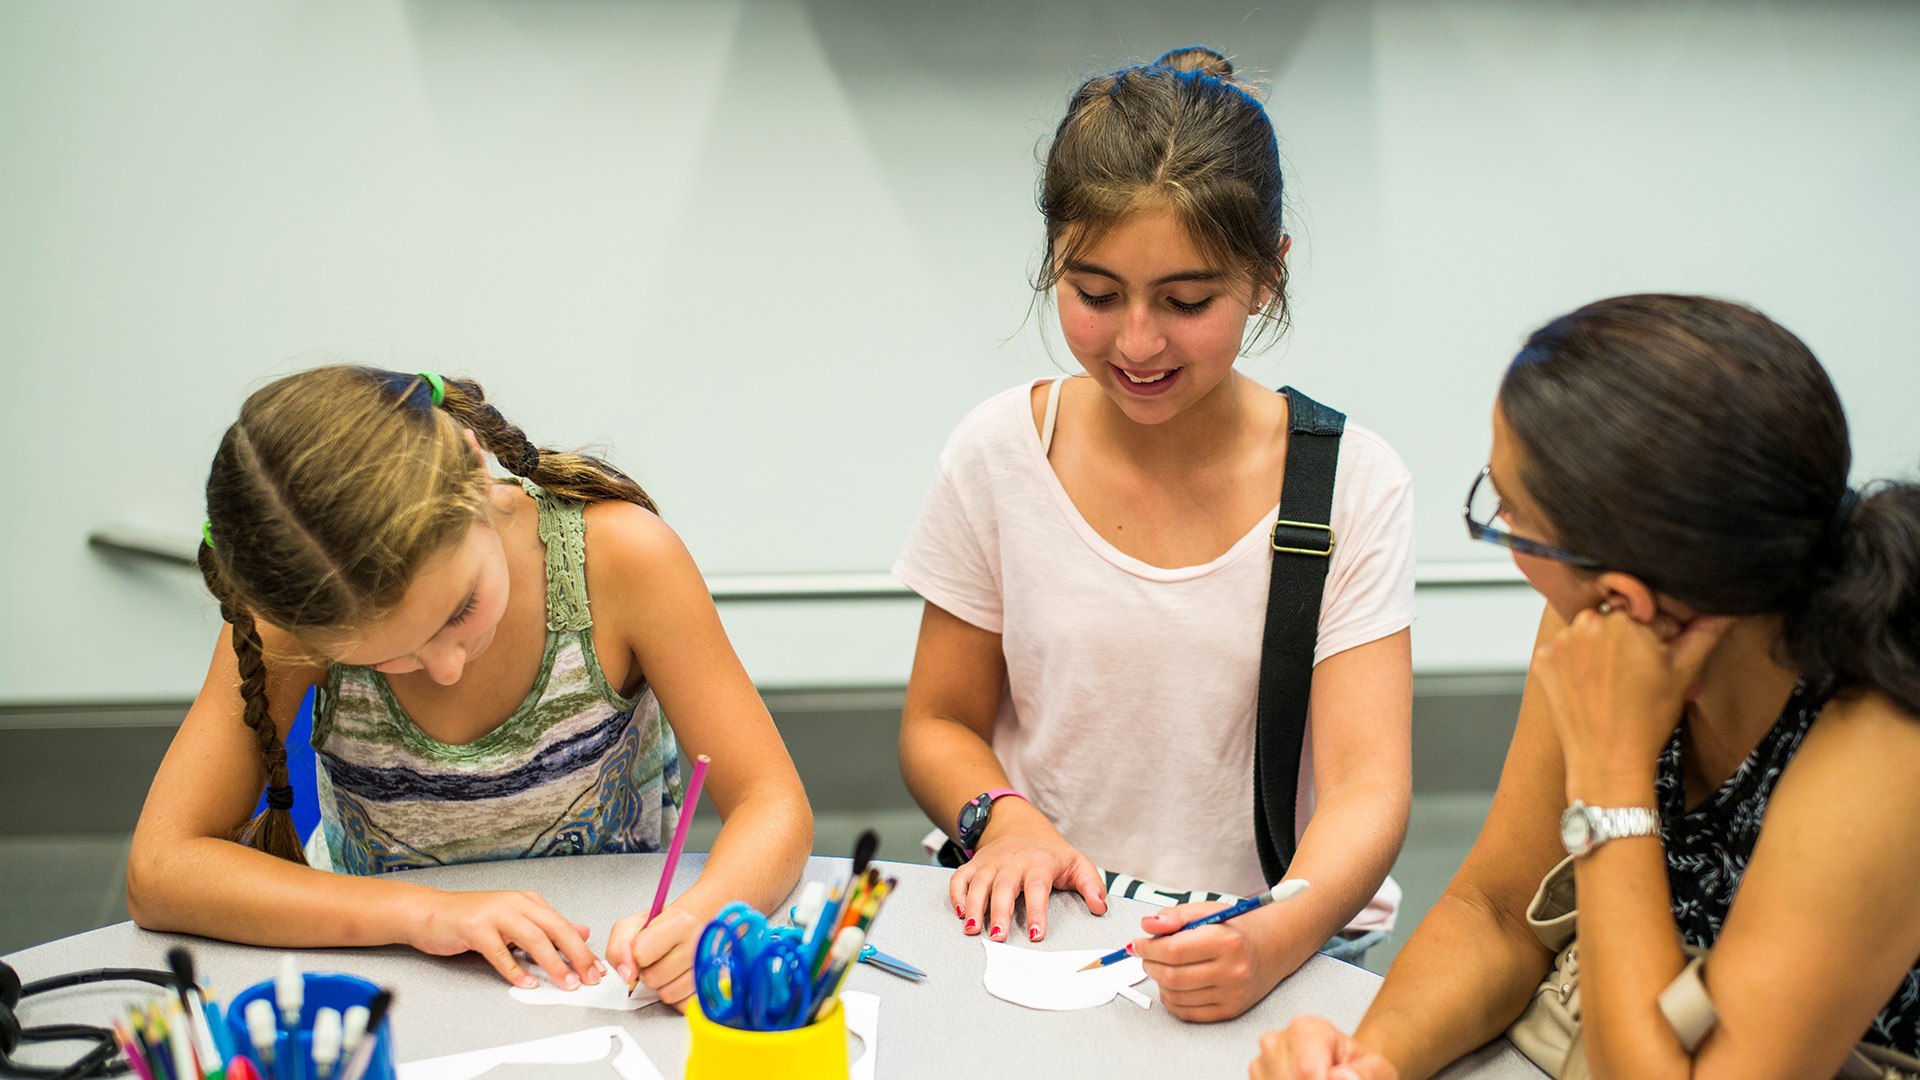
(1862, 748)
(628, 540)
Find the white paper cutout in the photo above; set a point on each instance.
(1051, 980)
(863, 1019)
(578, 1048)
(609, 993)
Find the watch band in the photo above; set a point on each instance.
(974, 816)
(1583, 827)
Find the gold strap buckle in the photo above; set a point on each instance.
(1311, 527)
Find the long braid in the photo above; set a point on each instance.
(574, 475)
(272, 830)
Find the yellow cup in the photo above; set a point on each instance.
(718, 1052)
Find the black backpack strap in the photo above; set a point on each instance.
(1302, 547)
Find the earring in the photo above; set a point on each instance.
(1606, 608)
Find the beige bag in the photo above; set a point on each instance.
(1548, 1032)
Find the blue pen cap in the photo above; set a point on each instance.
(324, 990)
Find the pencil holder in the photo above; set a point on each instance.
(293, 1053)
(815, 1052)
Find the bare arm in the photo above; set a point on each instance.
(1471, 967)
(706, 694)
(1363, 781)
(947, 758)
(184, 875)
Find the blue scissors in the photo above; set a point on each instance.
(892, 965)
(749, 977)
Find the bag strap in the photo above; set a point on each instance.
(1302, 547)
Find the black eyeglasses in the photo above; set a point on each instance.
(1483, 523)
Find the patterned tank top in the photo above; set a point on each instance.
(1708, 848)
(577, 769)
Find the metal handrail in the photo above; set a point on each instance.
(762, 588)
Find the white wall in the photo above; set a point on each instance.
(768, 253)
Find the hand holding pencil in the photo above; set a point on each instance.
(658, 948)
(1214, 961)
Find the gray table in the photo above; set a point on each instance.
(948, 1026)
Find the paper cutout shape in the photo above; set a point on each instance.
(609, 993)
(578, 1048)
(1051, 980)
(863, 1019)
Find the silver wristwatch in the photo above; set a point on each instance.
(1583, 827)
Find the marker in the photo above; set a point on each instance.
(356, 1064)
(326, 1042)
(1286, 890)
(289, 990)
(242, 1069)
(260, 1030)
(813, 899)
(353, 1024)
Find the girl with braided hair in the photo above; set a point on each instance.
(470, 705)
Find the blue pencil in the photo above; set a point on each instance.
(1286, 890)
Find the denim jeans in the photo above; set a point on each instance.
(1352, 950)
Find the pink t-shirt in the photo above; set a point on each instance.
(1128, 713)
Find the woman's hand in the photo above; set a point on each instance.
(658, 953)
(1312, 1049)
(493, 924)
(1020, 853)
(1615, 687)
(1208, 973)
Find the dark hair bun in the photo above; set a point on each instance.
(1198, 58)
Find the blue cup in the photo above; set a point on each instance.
(293, 1052)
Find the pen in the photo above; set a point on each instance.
(261, 1032)
(1286, 890)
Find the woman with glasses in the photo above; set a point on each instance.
(1719, 738)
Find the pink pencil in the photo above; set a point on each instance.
(679, 835)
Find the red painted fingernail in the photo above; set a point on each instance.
(1033, 933)
(971, 923)
(1130, 948)
(998, 933)
(959, 912)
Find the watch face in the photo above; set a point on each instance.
(1576, 833)
(970, 818)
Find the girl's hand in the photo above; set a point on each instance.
(1021, 853)
(493, 924)
(1616, 688)
(1312, 1049)
(658, 953)
(1208, 973)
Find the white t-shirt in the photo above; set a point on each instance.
(1128, 714)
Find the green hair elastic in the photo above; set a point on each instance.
(439, 386)
(206, 532)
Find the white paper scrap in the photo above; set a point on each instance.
(609, 993)
(577, 1048)
(863, 1019)
(1052, 980)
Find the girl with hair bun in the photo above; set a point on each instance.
(1095, 557)
(470, 704)
(1711, 785)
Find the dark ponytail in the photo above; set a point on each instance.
(1860, 624)
(574, 475)
(1699, 446)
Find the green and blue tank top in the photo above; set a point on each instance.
(577, 769)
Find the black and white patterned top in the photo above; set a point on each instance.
(1709, 845)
